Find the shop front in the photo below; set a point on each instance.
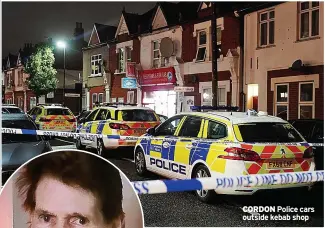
(157, 86)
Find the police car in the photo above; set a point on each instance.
(115, 120)
(213, 143)
(53, 117)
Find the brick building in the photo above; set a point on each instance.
(197, 55)
(284, 59)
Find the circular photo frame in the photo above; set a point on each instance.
(69, 188)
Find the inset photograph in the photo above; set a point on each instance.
(69, 188)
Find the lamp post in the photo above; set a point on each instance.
(62, 44)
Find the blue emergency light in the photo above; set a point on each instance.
(215, 108)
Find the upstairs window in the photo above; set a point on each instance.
(308, 19)
(124, 56)
(20, 78)
(201, 46)
(266, 28)
(96, 69)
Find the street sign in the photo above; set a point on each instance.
(72, 95)
(129, 83)
(50, 95)
(183, 89)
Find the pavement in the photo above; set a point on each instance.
(184, 209)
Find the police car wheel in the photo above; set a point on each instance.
(79, 146)
(140, 162)
(206, 196)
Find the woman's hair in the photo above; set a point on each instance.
(76, 169)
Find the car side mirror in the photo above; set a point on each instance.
(151, 131)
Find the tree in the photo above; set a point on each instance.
(42, 76)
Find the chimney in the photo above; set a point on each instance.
(78, 35)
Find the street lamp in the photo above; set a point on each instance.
(62, 44)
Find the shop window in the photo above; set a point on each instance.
(113, 100)
(222, 96)
(266, 28)
(282, 101)
(308, 19)
(9, 101)
(130, 97)
(207, 95)
(120, 100)
(191, 127)
(32, 102)
(201, 46)
(306, 101)
(100, 98)
(96, 68)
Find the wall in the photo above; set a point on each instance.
(146, 51)
(93, 81)
(286, 50)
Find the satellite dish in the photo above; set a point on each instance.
(297, 65)
(166, 47)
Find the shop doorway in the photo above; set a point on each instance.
(163, 102)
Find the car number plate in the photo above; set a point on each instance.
(140, 131)
(275, 164)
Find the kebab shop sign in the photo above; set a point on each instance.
(158, 76)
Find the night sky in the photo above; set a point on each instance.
(31, 22)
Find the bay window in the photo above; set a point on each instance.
(124, 56)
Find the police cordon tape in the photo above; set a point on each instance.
(92, 137)
(227, 182)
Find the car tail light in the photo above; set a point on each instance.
(72, 120)
(119, 126)
(43, 119)
(235, 153)
(309, 153)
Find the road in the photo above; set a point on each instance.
(183, 209)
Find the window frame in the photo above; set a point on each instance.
(168, 122)
(125, 58)
(200, 134)
(102, 95)
(306, 103)
(92, 98)
(129, 95)
(310, 22)
(9, 81)
(267, 21)
(200, 46)
(218, 122)
(20, 78)
(93, 61)
(281, 103)
(32, 98)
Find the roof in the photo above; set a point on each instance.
(243, 8)
(13, 60)
(105, 32)
(132, 20)
(237, 117)
(14, 116)
(146, 20)
(126, 107)
(9, 106)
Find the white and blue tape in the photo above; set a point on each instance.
(91, 136)
(229, 182)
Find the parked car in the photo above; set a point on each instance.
(313, 131)
(18, 149)
(162, 118)
(83, 114)
(11, 109)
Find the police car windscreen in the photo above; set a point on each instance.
(15, 138)
(14, 110)
(58, 111)
(138, 115)
(269, 132)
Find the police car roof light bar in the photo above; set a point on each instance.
(50, 104)
(217, 108)
(118, 103)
